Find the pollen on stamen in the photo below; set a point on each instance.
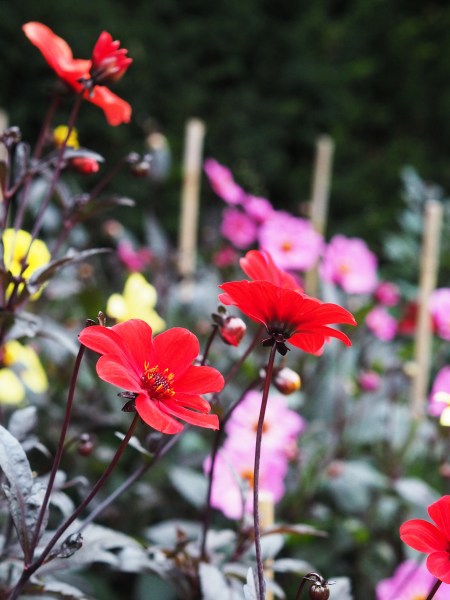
(159, 385)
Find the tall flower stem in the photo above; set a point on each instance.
(259, 432)
(59, 453)
(434, 589)
(30, 569)
(209, 342)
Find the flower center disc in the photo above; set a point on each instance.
(158, 385)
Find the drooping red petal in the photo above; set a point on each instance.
(137, 337)
(193, 401)
(308, 342)
(327, 313)
(423, 536)
(117, 110)
(259, 265)
(153, 416)
(321, 331)
(194, 418)
(440, 513)
(175, 350)
(118, 374)
(438, 563)
(199, 380)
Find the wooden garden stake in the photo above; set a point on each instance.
(192, 165)
(266, 517)
(429, 263)
(319, 198)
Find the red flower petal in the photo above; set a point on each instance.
(193, 401)
(175, 350)
(118, 374)
(422, 536)
(260, 266)
(105, 341)
(153, 416)
(137, 340)
(440, 513)
(117, 110)
(438, 563)
(199, 380)
(308, 342)
(194, 418)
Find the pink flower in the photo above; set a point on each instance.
(222, 182)
(226, 256)
(259, 209)
(281, 424)
(134, 260)
(381, 323)
(239, 229)
(369, 381)
(411, 581)
(234, 477)
(348, 262)
(387, 293)
(292, 242)
(437, 401)
(439, 305)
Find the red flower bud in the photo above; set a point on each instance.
(232, 330)
(84, 165)
(109, 62)
(287, 381)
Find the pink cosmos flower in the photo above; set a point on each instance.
(387, 293)
(281, 424)
(381, 323)
(439, 397)
(292, 241)
(259, 209)
(411, 581)
(439, 305)
(134, 260)
(238, 228)
(222, 182)
(234, 477)
(349, 263)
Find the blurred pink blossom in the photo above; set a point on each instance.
(369, 381)
(134, 260)
(238, 228)
(292, 242)
(349, 263)
(381, 323)
(226, 256)
(387, 293)
(410, 581)
(439, 305)
(222, 182)
(439, 391)
(259, 209)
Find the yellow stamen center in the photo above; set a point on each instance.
(158, 385)
(249, 477)
(287, 246)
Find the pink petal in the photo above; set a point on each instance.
(175, 350)
(438, 563)
(153, 416)
(200, 380)
(422, 536)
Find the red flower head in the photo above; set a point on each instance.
(432, 539)
(108, 63)
(287, 315)
(261, 266)
(159, 371)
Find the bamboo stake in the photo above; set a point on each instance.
(319, 198)
(266, 519)
(192, 164)
(429, 263)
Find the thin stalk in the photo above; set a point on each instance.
(259, 432)
(30, 569)
(209, 342)
(434, 589)
(59, 452)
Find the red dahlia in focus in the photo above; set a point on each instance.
(108, 63)
(259, 265)
(432, 539)
(288, 315)
(158, 370)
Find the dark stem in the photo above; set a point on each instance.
(59, 452)
(30, 569)
(259, 432)
(209, 342)
(235, 368)
(434, 589)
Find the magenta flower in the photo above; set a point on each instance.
(439, 398)
(259, 209)
(222, 182)
(369, 381)
(134, 260)
(238, 228)
(292, 242)
(381, 323)
(387, 293)
(411, 581)
(349, 263)
(439, 305)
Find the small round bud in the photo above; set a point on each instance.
(85, 444)
(141, 168)
(287, 381)
(232, 330)
(319, 591)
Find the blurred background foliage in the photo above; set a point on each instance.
(267, 78)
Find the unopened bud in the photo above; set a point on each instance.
(287, 381)
(141, 168)
(232, 330)
(84, 165)
(319, 591)
(85, 444)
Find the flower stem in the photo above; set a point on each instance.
(59, 453)
(434, 589)
(209, 342)
(28, 570)
(235, 368)
(259, 432)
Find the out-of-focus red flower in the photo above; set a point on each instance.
(432, 539)
(159, 371)
(109, 61)
(76, 72)
(84, 165)
(287, 315)
(259, 265)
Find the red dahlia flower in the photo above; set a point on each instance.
(288, 315)
(108, 64)
(159, 371)
(432, 539)
(259, 265)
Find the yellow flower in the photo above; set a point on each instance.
(137, 302)
(15, 248)
(444, 397)
(60, 134)
(22, 370)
